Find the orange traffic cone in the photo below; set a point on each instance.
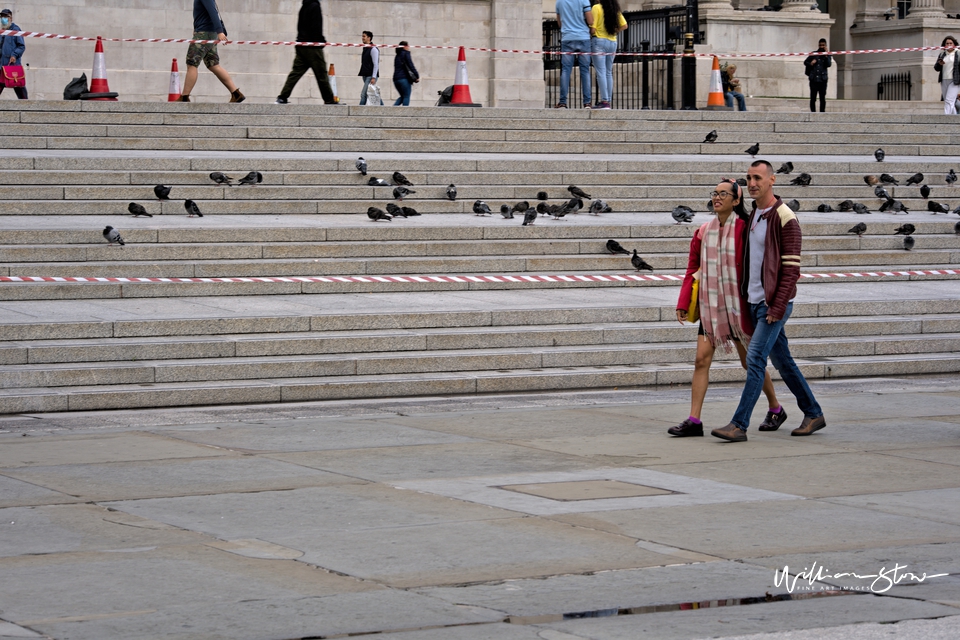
(461, 86)
(174, 94)
(715, 99)
(99, 89)
(332, 75)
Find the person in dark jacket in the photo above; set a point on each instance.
(309, 29)
(11, 48)
(207, 25)
(369, 65)
(815, 66)
(404, 74)
(949, 85)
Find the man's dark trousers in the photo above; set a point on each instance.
(821, 88)
(309, 58)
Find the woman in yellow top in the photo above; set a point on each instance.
(608, 21)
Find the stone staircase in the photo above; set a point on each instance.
(326, 323)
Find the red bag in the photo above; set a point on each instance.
(13, 77)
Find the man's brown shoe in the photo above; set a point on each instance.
(809, 425)
(730, 433)
(236, 96)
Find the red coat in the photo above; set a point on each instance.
(693, 265)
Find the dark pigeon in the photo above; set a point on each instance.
(682, 214)
(361, 166)
(879, 155)
(394, 210)
(541, 195)
(886, 178)
(378, 182)
(754, 150)
(794, 205)
(520, 207)
(639, 263)
(409, 212)
(824, 208)
(598, 206)
(529, 217)
(846, 205)
(219, 178)
(577, 192)
(193, 211)
(881, 193)
(399, 178)
(904, 230)
(924, 191)
(951, 176)
(785, 168)
(742, 182)
(916, 178)
(112, 236)
(614, 247)
(860, 228)
(137, 210)
(895, 206)
(481, 208)
(506, 212)
(162, 192)
(451, 192)
(935, 207)
(802, 180)
(711, 137)
(908, 243)
(860, 208)
(254, 177)
(956, 228)
(400, 192)
(376, 214)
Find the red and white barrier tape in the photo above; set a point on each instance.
(56, 36)
(462, 279)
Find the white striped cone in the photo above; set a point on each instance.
(98, 81)
(461, 85)
(332, 76)
(174, 94)
(715, 99)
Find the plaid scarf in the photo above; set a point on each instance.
(719, 296)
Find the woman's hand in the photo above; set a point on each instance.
(681, 315)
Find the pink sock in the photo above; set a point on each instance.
(777, 410)
(694, 420)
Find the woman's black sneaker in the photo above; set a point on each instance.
(686, 429)
(773, 420)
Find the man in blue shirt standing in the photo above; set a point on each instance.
(575, 19)
(207, 25)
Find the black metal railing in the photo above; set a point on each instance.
(895, 86)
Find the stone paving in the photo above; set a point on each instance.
(552, 516)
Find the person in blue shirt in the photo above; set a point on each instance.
(11, 48)
(575, 19)
(207, 25)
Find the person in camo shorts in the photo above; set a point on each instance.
(207, 25)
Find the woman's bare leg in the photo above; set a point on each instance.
(701, 375)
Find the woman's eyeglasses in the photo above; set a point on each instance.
(720, 194)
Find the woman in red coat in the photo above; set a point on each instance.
(716, 252)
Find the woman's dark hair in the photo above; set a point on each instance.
(951, 38)
(738, 208)
(611, 16)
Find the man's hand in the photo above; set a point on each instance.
(771, 319)
(222, 37)
(373, 81)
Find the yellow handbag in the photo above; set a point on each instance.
(693, 311)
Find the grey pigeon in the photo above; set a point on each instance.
(541, 195)
(881, 193)
(957, 210)
(879, 155)
(886, 178)
(451, 192)
(254, 177)
(794, 205)
(577, 192)
(711, 137)
(162, 192)
(409, 212)
(754, 150)
(802, 180)
(860, 208)
(908, 242)
(846, 205)
(956, 228)
(361, 166)
(916, 178)
(895, 206)
(399, 178)
(137, 210)
(378, 182)
(520, 207)
(614, 247)
(598, 206)
(529, 217)
(924, 191)
(558, 211)
(904, 230)
(871, 180)
(824, 208)
(481, 208)
(682, 213)
(639, 263)
(112, 236)
(394, 210)
(506, 211)
(951, 176)
(742, 182)
(193, 211)
(785, 168)
(378, 214)
(219, 178)
(935, 207)
(400, 192)
(860, 228)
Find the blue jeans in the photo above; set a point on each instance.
(403, 87)
(363, 92)
(730, 95)
(604, 67)
(770, 340)
(566, 69)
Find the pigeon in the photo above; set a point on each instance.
(951, 176)
(614, 247)
(871, 180)
(886, 178)
(882, 193)
(378, 214)
(399, 178)
(802, 180)
(860, 208)
(895, 206)
(682, 213)
(754, 150)
(598, 206)
(409, 212)
(520, 207)
(711, 137)
(824, 208)
(879, 155)
(957, 210)
(506, 211)
(785, 168)
(956, 228)
(742, 182)
(639, 263)
(254, 177)
(378, 182)
(794, 205)
(400, 192)
(394, 210)
(451, 192)
(935, 207)
(558, 212)
(541, 195)
(860, 228)
(361, 166)
(543, 208)
(908, 242)
(193, 211)
(137, 210)
(481, 208)
(112, 236)
(529, 217)
(709, 205)
(904, 230)
(924, 191)
(219, 178)
(577, 192)
(916, 178)
(162, 192)
(846, 205)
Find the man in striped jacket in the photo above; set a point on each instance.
(769, 283)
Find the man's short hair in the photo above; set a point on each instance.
(758, 163)
(369, 34)
(404, 43)
(823, 40)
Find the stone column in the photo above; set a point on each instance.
(516, 80)
(926, 9)
(798, 5)
(707, 7)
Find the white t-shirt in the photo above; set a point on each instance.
(758, 240)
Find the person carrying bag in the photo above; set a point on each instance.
(11, 50)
